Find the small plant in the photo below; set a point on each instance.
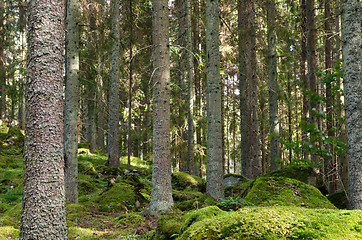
(231, 204)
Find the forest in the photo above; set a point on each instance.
(180, 119)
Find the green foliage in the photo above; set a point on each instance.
(230, 203)
(320, 142)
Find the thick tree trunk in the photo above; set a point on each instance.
(273, 87)
(113, 134)
(214, 171)
(352, 72)
(43, 209)
(71, 103)
(161, 194)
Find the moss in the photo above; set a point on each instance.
(84, 145)
(86, 167)
(168, 227)
(278, 223)
(74, 213)
(240, 190)
(12, 216)
(301, 173)
(339, 199)
(8, 232)
(273, 191)
(109, 171)
(130, 219)
(180, 196)
(196, 203)
(86, 184)
(183, 180)
(201, 214)
(118, 198)
(15, 136)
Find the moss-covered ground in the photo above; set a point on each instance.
(113, 203)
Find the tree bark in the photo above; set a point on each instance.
(71, 103)
(273, 87)
(113, 134)
(161, 194)
(214, 170)
(2, 59)
(43, 209)
(352, 55)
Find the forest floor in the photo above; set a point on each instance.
(113, 203)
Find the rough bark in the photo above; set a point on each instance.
(161, 194)
(71, 103)
(113, 134)
(273, 87)
(43, 209)
(352, 62)
(214, 171)
(2, 58)
(190, 90)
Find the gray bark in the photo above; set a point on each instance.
(2, 59)
(43, 209)
(71, 103)
(161, 194)
(273, 87)
(352, 64)
(214, 171)
(113, 134)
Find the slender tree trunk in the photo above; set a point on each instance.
(113, 137)
(273, 87)
(161, 194)
(22, 29)
(352, 72)
(245, 144)
(71, 103)
(214, 172)
(190, 90)
(130, 85)
(2, 58)
(43, 209)
(312, 63)
(303, 71)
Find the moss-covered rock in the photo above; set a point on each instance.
(339, 199)
(273, 191)
(240, 190)
(183, 180)
(181, 196)
(168, 227)
(231, 180)
(8, 232)
(15, 136)
(74, 213)
(278, 223)
(119, 198)
(199, 215)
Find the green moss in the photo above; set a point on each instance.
(196, 203)
(273, 191)
(240, 190)
(12, 216)
(15, 136)
(278, 223)
(199, 215)
(168, 227)
(84, 145)
(241, 177)
(130, 219)
(86, 167)
(180, 196)
(8, 232)
(339, 200)
(302, 173)
(119, 198)
(183, 180)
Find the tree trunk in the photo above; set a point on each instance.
(43, 209)
(71, 103)
(113, 134)
(22, 80)
(2, 59)
(352, 62)
(311, 59)
(273, 87)
(161, 194)
(214, 170)
(130, 85)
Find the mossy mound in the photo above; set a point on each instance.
(168, 227)
(279, 223)
(119, 198)
(183, 180)
(339, 199)
(12, 216)
(240, 190)
(196, 203)
(301, 173)
(180, 196)
(231, 180)
(199, 215)
(15, 136)
(9, 232)
(86, 167)
(74, 213)
(130, 219)
(274, 191)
